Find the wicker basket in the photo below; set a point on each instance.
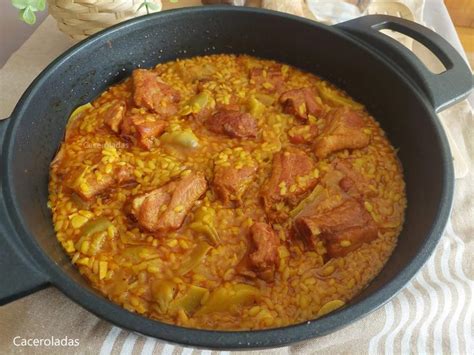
(81, 18)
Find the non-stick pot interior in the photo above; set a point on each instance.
(89, 69)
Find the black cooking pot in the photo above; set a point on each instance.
(396, 88)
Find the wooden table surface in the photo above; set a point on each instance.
(462, 13)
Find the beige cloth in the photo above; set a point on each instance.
(433, 314)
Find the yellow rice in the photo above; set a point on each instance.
(305, 287)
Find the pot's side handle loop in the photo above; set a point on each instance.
(444, 89)
(18, 275)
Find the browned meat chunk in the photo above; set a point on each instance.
(127, 127)
(353, 182)
(302, 134)
(145, 128)
(88, 184)
(264, 258)
(344, 130)
(301, 103)
(269, 79)
(154, 94)
(147, 208)
(343, 228)
(340, 244)
(233, 123)
(124, 174)
(114, 115)
(230, 183)
(165, 208)
(292, 176)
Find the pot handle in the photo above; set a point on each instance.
(442, 90)
(19, 275)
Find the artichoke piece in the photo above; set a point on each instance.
(185, 138)
(190, 301)
(330, 307)
(140, 253)
(204, 222)
(93, 233)
(265, 99)
(333, 96)
(195, 258)
(79, 202)
(163, 292)
(207, 230)
(224, 298)
(97, 243)
(97, 225)
(316, 194)
(255, 107)
(77, 112)
(154, 265)
(204, 71)
(77, 220)
(197, 103)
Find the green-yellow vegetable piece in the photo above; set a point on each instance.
(202, 72)
(225, 298)
(185, 139)
(153, 264)
(195, 258)
(265, 99)
(330, 307)
(204, 222)
(316, 193)
(197, 103)
(139, 253)
(207, 230)
(97, 243)
(77, 112)
(190, 301)
(97, 225)
(255, 107)
(163, 292)
(333, 96)
(83, 205)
